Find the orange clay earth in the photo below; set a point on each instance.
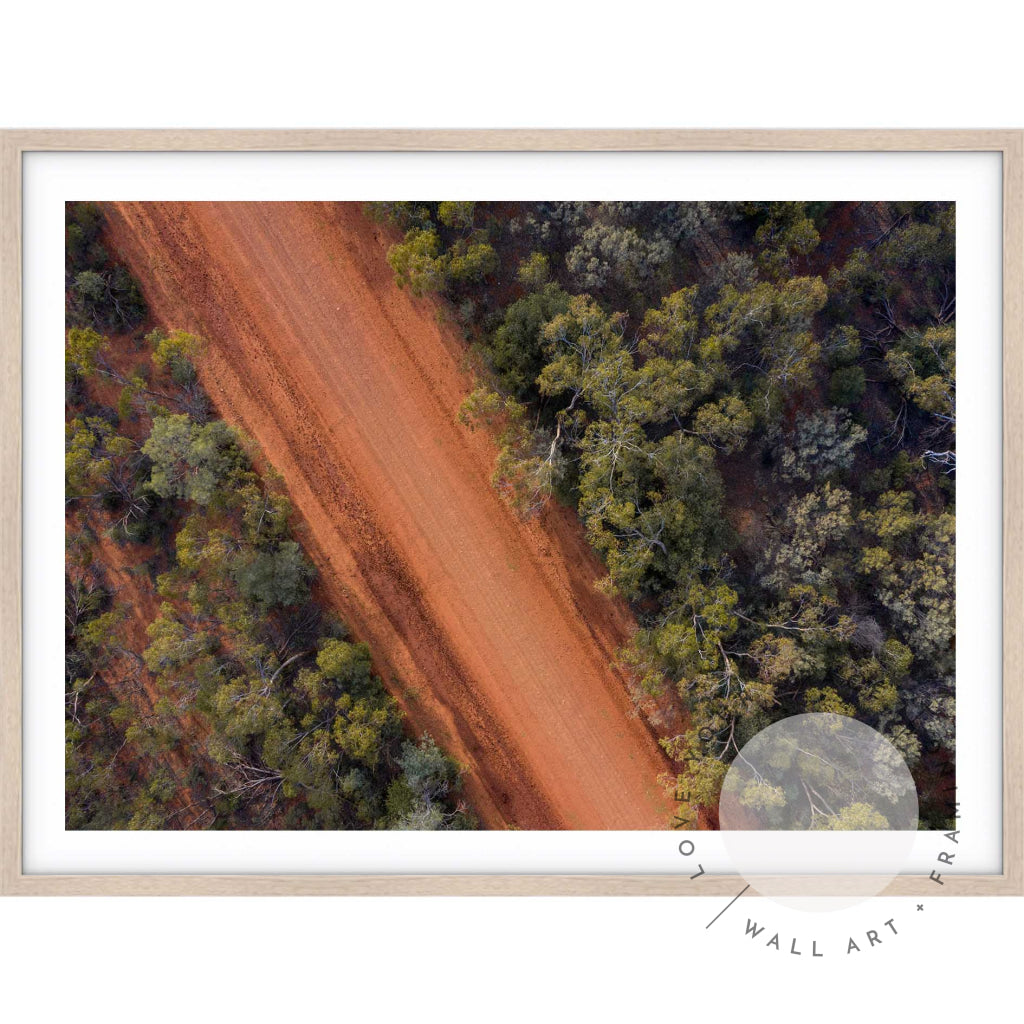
(487, 629)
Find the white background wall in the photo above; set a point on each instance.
(780, 64)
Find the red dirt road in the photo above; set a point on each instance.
(488, 630)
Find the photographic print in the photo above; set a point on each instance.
(449, 515)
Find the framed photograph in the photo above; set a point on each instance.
(512, 512)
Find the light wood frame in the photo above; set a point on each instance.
(14, 144)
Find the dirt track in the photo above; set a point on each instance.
(488, 630)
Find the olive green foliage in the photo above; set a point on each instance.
(821, 445)
(618, 257)
(785, 233)
(92, 736)
(417, 799)
(418, 262)
(446, 256)
(748, 427)
(83, 348)
(516, 348)
(846, 385)
(768, 329)
(534, 272)
(277, 577)
(296, 729)
(176, 353)
(530, 462)
(100, 293)
(190, 460)
(298, 718)
(403, 215)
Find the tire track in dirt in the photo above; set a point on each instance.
(373, 563)
(487, 630)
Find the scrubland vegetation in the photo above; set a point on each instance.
(238, 702)
(752, 408)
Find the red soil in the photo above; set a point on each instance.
(130, 681)
(488, 630)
